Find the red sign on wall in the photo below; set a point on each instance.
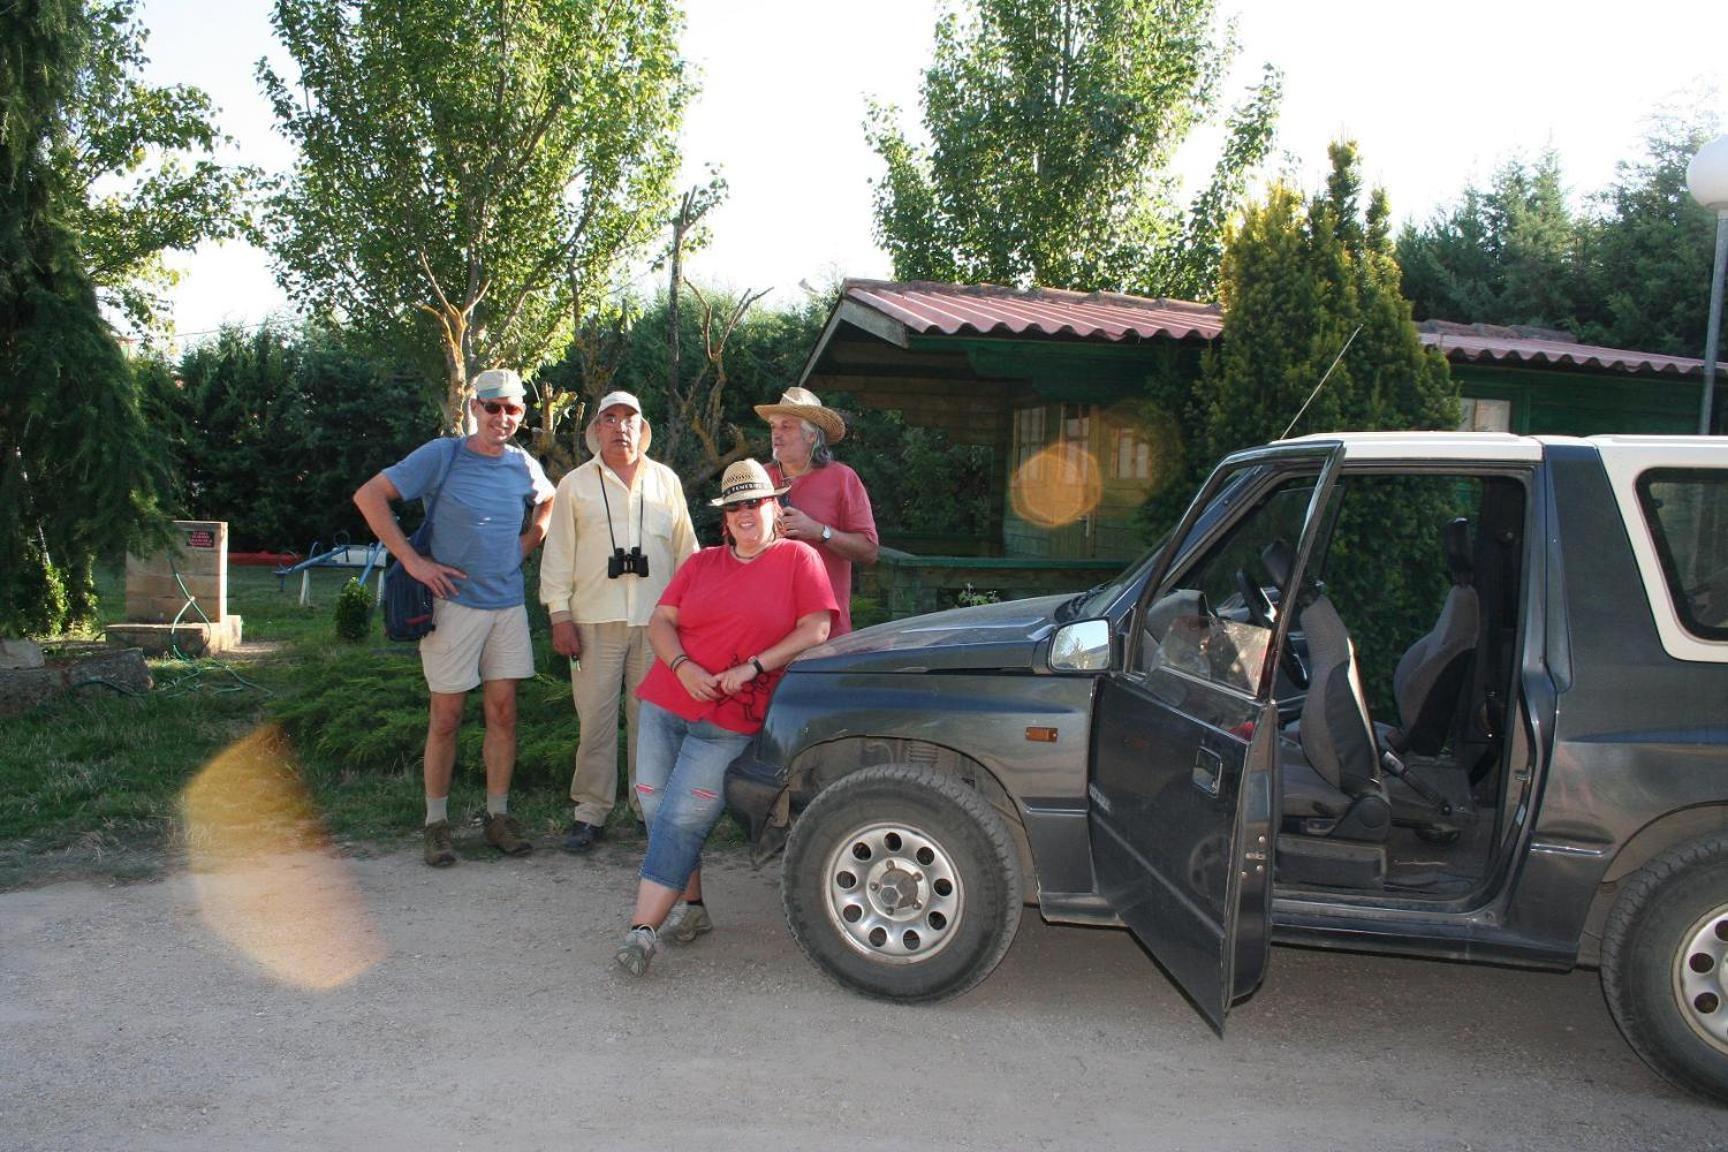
(200, 538)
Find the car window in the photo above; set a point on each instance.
(1212, 620)
(1687, 512)
(1095, 601)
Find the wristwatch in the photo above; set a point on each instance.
(827, 533)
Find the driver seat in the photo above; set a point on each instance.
(1329, 757)
(1330, 771)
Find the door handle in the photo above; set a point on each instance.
(1208, 765)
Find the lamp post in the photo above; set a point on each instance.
(1707, 180)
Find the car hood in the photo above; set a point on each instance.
(987, 637)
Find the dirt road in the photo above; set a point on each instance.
(312, 1002)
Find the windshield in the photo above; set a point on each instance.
(1097, 601)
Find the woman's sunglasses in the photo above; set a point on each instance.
(493, 407)
(741, 505)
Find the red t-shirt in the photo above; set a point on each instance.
(833, 496)
(729, 611)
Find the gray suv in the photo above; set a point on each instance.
(1450, 695)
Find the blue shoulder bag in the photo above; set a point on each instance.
(407, 602)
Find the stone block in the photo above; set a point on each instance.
(189, 638)
(199, 559)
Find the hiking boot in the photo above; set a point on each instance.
(581, 836)
(503, 833)
(640, 944)
(685, 928)
(440, 852)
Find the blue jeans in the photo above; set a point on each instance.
(681, 781)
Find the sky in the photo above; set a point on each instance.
(1437, 96)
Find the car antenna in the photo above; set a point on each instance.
(1320, 385)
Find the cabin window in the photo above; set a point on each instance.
(1029, 444)
(1476, 415)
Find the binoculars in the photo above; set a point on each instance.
(622, 563)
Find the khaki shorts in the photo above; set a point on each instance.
(470, 645)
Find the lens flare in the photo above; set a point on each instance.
(1057, 486)
(265, 881)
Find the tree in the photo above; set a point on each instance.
(272, 429)
(139, 164)
(79, 477)
(1648, 252)
(1052, 125)
(1627, 274)
(1507, 254)
(469, 167)
(1299, 280)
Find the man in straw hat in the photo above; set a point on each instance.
(480, 624)
(619, 529)
(827, 507)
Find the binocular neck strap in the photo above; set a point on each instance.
(600, 475)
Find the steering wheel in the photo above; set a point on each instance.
(1264, 614)
(1261, 611)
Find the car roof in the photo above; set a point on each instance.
(1505, 446)
(1429, 445)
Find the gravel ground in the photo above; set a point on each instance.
(309, 1001)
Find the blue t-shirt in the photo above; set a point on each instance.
(477, 525)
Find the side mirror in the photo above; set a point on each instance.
(1083, 646)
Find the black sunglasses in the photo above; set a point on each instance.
(740, 505)
(493, 407)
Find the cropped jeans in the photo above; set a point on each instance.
(681, 781)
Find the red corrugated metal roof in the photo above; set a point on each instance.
(989, 310)
(928, 309)
(1494, 344)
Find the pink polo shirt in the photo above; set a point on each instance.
(833, 496)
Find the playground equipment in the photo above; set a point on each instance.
(341, 554)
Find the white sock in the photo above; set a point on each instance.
(497, 805)
(437, 808)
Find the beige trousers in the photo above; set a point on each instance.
(615, 658)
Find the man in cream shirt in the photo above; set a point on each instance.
(620, 528)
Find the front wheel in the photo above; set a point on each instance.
(902, 883)
(1665, 966)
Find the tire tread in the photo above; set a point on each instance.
(974, 806)
(1619, 962)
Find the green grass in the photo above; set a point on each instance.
(92, 785)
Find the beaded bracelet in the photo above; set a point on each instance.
(681, 658)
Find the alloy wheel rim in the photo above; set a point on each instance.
(893, 893)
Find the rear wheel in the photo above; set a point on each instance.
(902, 883)
(1665, 966)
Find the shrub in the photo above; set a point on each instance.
(362, 711)
(353, 611)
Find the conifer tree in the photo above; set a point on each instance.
(1297, 280)
(78, 477)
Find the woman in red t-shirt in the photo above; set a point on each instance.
(729, 621)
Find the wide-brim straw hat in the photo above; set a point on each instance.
(746, 480)
(803, 404)
(591, 437)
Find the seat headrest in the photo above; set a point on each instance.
(1459, 562)
(1278, 559)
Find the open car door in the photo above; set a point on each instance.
(1183, 781)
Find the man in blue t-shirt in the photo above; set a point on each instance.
(480, 623)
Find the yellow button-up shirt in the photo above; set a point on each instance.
(585, 527)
